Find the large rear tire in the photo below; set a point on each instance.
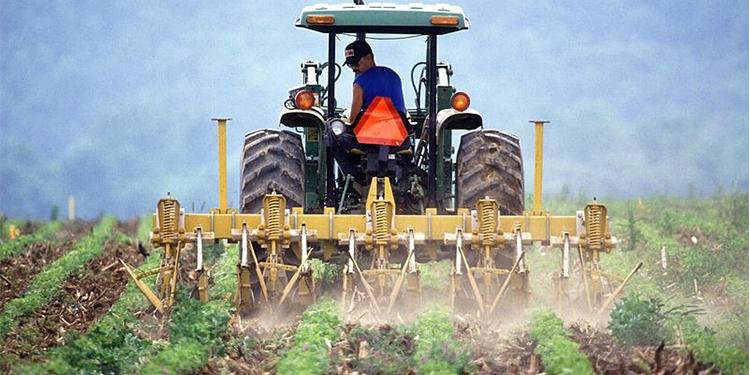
(272, 160)
(489, 164)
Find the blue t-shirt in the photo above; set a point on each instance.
(381, 81)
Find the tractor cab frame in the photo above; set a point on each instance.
(432, 123)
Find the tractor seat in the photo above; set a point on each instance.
(405, 152)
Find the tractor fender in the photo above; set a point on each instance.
(449, 119)
(306, 118)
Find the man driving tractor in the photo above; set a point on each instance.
(370, 82)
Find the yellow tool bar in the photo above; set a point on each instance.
(330, 227)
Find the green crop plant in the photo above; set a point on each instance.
(316, 331)
(325, 274)
(703, 343)
(559, 353)
(197, 329)
(432, 276)
(47, 283)
(47, 233)
(437, 351)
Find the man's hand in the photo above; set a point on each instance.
(345, 116)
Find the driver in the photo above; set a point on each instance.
(370, 81)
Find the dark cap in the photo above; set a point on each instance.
(355, 51)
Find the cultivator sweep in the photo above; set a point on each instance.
(403, 199)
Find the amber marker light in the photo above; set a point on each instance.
(320, 20)
(444, 20)
(460, 101)
(304, 99)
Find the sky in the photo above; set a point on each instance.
(111, 102)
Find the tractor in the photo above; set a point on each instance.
(419, 201)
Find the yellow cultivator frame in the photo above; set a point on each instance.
(381, 232)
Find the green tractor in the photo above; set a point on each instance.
(413, 199)
(298, 164)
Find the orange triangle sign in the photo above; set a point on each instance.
(381, 124)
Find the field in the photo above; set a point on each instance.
(67, 307)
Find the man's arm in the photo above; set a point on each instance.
(357, 98)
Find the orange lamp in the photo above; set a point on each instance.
(304, 99)
(460, 101)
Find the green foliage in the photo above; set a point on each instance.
(46, 233)
(196, 329)
(432, 275)
(391, 349)
(145, 226)
(317, 329)
(632, 229)
(48, 282)
(437, 352)
(111, 346)
(559, 354)
(702, 341)
(325, 274)
(643, 321)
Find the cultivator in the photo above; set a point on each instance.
(476, 240)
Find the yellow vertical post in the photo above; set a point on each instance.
(538, 158)
(222, 128)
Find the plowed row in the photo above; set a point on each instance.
(17, 272)
(85, 296)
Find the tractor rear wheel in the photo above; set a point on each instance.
(489, 164)
(272, 160)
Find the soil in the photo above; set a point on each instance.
(17, 272)
(259, 356)
(84, 298)
(609, 358)
(128, 227)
